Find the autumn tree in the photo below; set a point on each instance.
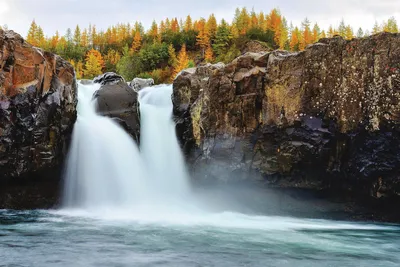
(172, 56)
(182, 61)
(212, 26)
(390, 25)
(376, 29)
(203, 38)
(209, 54)
(295, 38)
(137, 42)
(31, 38)
(188, 24)
(94, 64)
(153, 33)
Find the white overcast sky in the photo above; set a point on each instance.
(55, 15)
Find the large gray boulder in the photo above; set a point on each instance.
(138, 83)
(117, 100)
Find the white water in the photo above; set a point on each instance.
(105, 169)
(159, 145)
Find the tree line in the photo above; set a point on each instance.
(171, 45)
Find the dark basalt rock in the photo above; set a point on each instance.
(37, 112)
(326, 118)
(117, 100)
(108, 78)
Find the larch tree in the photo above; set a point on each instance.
(85, 38)
(153, 32)
(172, 61)
(182, 61)
(137, 42)
(212, 26)
(209, 54)
(94, 64)
(390, 25)
(349, 33)
(188, 24)
(31, 38)
(307, 36)
(295, 39)
(203, 37)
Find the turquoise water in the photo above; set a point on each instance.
(111, 238)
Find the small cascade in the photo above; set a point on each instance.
(105, 169)
(159, 146)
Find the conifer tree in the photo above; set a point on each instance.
(94, 64)
(182, 61)
(31, 38)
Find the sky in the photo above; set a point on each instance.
(54, 15)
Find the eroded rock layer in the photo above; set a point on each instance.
(326, 117)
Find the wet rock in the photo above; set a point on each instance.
(109, 78)
(326, 117)
(117, 100)
(138, 83)
(37, 108)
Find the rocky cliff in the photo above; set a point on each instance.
(326, 117)
(37, 111)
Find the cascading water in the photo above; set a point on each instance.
(159, 145)
(105, 168)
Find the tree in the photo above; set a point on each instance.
(223, 38)
(182, 61)
(188, 24)
(342, 29)
(137, 42)
(172, 56)
(77, 35)
(360, 33)
(295, 37)
(316, 33)
(349, 33)
(307, 37)
(31, 38)
(203, 38)
(93, 64)
(209, 54)
(153, 33)
(391, 25)
(376, 29)
(212, 26)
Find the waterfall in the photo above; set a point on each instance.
(105, 169)
(159, 145)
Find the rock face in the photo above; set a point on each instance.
(117, 100)
(138, 83)
(37, 107)
(327, 117)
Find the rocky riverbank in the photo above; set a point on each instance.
(325, 119)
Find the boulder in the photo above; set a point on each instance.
(38, 97)
(109, 78)
(138, 83)
(117, 100)
(326, 117)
